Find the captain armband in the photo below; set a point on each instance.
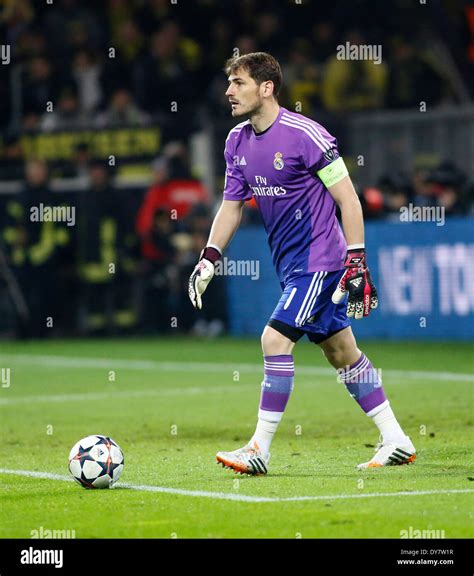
(333, 173)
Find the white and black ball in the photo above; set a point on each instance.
(96, 462)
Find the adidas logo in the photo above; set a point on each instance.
(356, 282)
(399, 456)
(243, 161)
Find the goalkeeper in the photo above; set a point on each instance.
(291, 165)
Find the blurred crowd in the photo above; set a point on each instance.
(444, 186)
(126, 61)
(120, 264)
(115, 63)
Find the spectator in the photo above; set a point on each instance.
(246, 44)
(129, 41)
(211, 320)
(38, 270)
(105, 306)
(159, 273)
(173, 189)
(12, 161)
(221, 42)
(303, 78)
(31, 42)
(82, 161)
(353, 84)
(37, 182)
(447, 183)
(397, 193)
(86, 72)
(122, 111)
(167, 70)
(412, 78)
(121, 70)
(17, 15)
(65, 115)
(153, 13)
(78, 167)
(396, 197)
(424, 194)
(70, 25)
(323, 41)
(39, 86)
(268, 34)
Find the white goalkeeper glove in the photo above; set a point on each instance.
(203, 274)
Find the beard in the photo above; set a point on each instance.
(253, 109)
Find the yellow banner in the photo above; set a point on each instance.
(121, 142)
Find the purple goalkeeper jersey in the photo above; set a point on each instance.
(279, 168)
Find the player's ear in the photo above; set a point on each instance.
(267, 88)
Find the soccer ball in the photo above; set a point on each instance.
(96, 462)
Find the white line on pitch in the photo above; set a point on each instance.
(237, 497)
(47, 361)
(115, 394)
(86, 396)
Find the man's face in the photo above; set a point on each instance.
(244, 95)
(36, 173)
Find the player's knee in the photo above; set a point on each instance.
(274, 343)
(339, 356)
(335, 356)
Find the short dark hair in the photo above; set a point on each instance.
(260, 66)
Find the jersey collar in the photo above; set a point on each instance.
(277, 120)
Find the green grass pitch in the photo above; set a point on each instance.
(171, 409)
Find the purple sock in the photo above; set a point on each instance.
(363, 384)
(277, 383)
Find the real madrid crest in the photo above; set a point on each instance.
(278, 161)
